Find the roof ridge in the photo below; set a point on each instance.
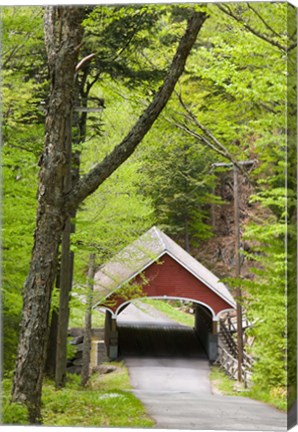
(159, 235)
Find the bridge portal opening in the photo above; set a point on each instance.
(161, 328)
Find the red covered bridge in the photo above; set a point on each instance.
(155, 266)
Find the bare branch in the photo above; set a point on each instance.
(203, 128)
(262, 19)
(194, 134)
(210, 140)
(272, 42)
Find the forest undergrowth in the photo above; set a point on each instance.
(107, 401)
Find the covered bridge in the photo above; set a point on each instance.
(155, 266)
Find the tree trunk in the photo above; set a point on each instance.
(66, 273)
(186, 235)
(66, 270)
(50, 365)
(63, 36)
(88, 322)
(50, 362)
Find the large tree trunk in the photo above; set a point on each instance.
(63, 36)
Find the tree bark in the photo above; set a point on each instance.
(66, 271)
(63, 36)
(88, 323)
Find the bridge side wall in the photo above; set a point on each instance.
(169, 278)
(111, 336)
(206, 331)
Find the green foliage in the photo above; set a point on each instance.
(130, 291)
(176, 175)
(23, 86)
(105, 402)
(77, 317)
(276, 396)
(12, 413)
(121, 34)
(19, 171)
(116, 214)
(266, 305)
(71, 349)
(15, 414)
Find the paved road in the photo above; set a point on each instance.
(169, 374)
(177, 394)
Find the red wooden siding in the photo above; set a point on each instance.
(167, 277)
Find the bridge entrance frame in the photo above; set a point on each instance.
(160, 268)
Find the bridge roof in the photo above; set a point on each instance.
(143, 252)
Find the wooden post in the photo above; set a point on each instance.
(214, 327)
(238, 273)
(213, 212)
(88, 322)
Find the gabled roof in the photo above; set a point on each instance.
(143, 252)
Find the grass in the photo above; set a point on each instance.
(227, 386)
(276, 397)
(77, 318)
(105, 402)
(221, 382)
(172, 312)
(108, 382)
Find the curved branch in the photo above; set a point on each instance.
(199, 138)
(90, 182)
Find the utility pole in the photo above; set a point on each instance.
(237, 258)
(238, 273)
